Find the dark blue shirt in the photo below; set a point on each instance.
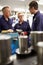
(24, 26)
(4, 24)
(37, 24)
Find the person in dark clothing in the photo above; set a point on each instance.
(24, 26)
(5, 21)
(37, 24)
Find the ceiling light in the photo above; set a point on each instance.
(21, 0)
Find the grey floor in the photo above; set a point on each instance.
(26, 61)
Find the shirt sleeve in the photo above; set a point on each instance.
(28, 29)
(0, 27)
(36, 26)
(15, 27)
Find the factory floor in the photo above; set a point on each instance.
(27, 61)
(31, 60)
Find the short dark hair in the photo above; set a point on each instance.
(5, 8)
(33, 4)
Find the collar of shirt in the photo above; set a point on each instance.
(5, 19)
(36, 14)
(21, 23)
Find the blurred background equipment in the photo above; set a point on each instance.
(40, 53)
(36, 37)
(5, 49)
(23, 44)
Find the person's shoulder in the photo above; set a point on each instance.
(25, 22)
(16, 24)
(10, 20)
(40, 14)
(41, 17)
(1, 18)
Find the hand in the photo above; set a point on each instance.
(22, 33)
(7, 31)
(10, 30)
